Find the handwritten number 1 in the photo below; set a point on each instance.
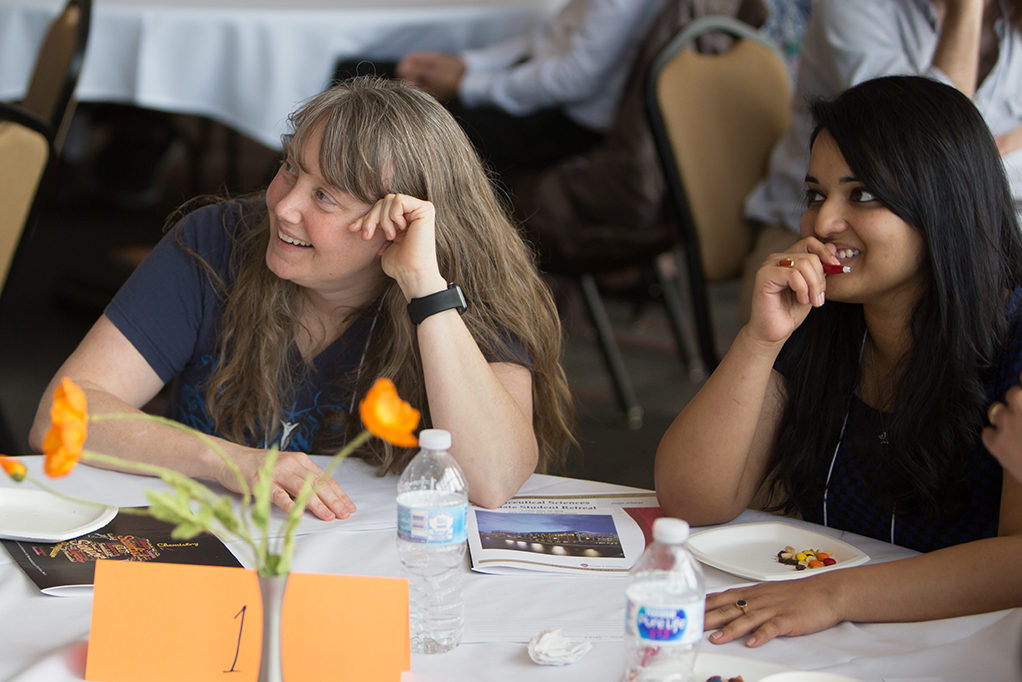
(237, 649)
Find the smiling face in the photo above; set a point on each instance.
(886, 254)
(310, 243)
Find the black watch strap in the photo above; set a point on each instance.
(451, 297)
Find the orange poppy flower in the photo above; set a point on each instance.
(387, 416)
(63, 443)
(13, 468)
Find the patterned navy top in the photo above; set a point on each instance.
(851, 504)
(170, 312)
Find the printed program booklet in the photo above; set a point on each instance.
(68, 568)
(604, 532)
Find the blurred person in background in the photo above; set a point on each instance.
(533, 99)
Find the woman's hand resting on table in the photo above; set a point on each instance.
(773, 609)
(409, 254)
(783, 295)
(329, 502)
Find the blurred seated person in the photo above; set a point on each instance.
(599, 207)
(1003, 437)
(273, 314)
(974, 45)
(856, 400)
(786, 25)
(538, 97)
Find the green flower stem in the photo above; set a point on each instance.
(53, 491)
(205, 438)
(246, 491)
(197, 490)
(215, 513)
(282, 565)
(184, 484)
(348, 448)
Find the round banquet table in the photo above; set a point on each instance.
(246, 63)
(44, 638)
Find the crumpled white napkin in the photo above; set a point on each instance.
(550, 647)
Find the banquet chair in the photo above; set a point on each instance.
(25, 150)
(50, 94)
(607, 210)
(715, 119)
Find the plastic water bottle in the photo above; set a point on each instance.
(665, 603)
(432, 501)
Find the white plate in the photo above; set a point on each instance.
(750, 550)
(751, 670)
(38, 516)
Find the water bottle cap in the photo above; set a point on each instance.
(670, 531)
(434, 439)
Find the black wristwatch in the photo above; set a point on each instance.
(451, 297)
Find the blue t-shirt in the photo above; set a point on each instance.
(170, 312)
(851, 504)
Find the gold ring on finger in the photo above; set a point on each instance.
(786, 263)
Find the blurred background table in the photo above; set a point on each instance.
(246, 63)
(44, 638)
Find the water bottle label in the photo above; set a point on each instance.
(666, 625)
(439, 526)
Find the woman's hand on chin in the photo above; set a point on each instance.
(788, 285)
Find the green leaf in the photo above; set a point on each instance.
(270, 566)
(261, 492)
(293, 517)
(185, 485)
(164, 506)
(205, 515)
(187, 531)
(223, 510)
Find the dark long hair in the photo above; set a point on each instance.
(925, 152)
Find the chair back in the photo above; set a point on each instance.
(57, 67)
(24, 153)
(716, 118)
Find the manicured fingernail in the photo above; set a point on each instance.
(751, 641)
(716, 636)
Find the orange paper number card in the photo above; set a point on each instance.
(172, 622)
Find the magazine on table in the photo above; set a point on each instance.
(68, 568)
(585, 533)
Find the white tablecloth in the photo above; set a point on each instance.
(246, 63)
(42, 638)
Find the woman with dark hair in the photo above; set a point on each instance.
(974, 45)
(276, 313)
(857, 399)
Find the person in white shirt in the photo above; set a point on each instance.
(974, 45)
(533, 99)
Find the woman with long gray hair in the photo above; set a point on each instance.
(379, 249)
